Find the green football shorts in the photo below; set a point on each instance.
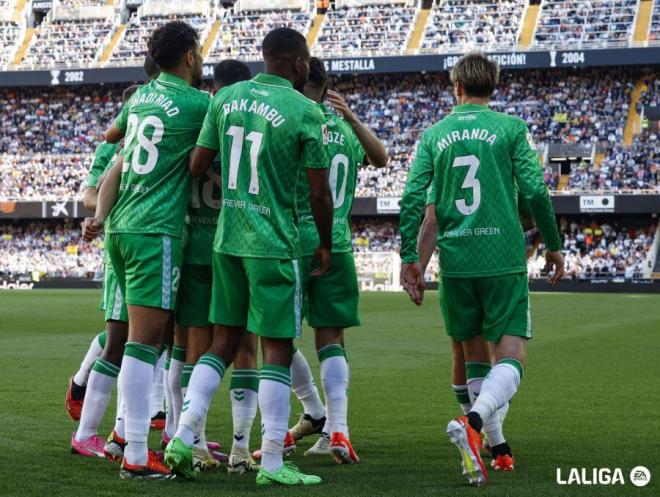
(331, 300)
(112, 301)
(194, 296)
(148, 268)
(263, 295)
(492, 306)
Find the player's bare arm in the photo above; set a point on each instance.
(428, 235)
(373, 147)
(114, 134)
(321, 202)
(412, 205)
(201, 160)
(90, 197)
(107, 196)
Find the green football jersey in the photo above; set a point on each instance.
(161, 123)
(203, 212)
(103, 156)
(475, 157)
(346, 154)
(265, 132)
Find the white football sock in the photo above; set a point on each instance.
(99, 389)
(170, 426)
(244, 400)
(177, 362)
(498, 388)
(205, 380)
(275, 406)
(119, 428)
(463, 397)
(334, 375)
(302, 384)
(136, 380)
(158, 390)
(93, 353)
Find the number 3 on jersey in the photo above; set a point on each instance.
(238, 138)
(470, 181)
(136, 129)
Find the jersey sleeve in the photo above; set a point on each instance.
(103, 155)
(208, 135)
(313, 139)
(430, 194)
(122, 119)
(419, 179)
(529, 177)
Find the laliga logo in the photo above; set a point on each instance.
(55, 77)
(640, 476)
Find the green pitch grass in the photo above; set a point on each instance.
(590, 398)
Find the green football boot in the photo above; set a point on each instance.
(288, 474)
(179, 458)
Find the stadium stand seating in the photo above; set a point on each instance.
(10, 33)
(463, 25)
(241, 34)
(132, 46)
(70, 36)
(575, 24)
(654, 28)
(365, 30)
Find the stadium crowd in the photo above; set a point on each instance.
(365, 30)
(463, 25)
(585, 23)
(241, 34)
(67, 43)
(560, 106)
(592, 249)
(48, 249)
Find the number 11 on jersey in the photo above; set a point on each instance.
(238, 138)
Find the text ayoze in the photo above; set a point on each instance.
(591, 476)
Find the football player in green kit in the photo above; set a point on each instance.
(265, 133)
(160, 124)
(476, 157)
(330, 301)
(194, 300)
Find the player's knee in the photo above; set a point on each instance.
(328, 336)
(277, 352)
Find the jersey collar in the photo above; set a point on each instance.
(271, 79)
(166, 77)
(469, 108)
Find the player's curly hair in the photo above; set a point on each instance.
(170, 42)
(230, 71)
(318, 76)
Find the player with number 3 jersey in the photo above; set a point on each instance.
(475, 158)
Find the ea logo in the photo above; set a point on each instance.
(640, 476)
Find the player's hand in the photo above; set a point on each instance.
(320, 261)
(91, 228)
(340, 105)
(554, 260)
(412, 279)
